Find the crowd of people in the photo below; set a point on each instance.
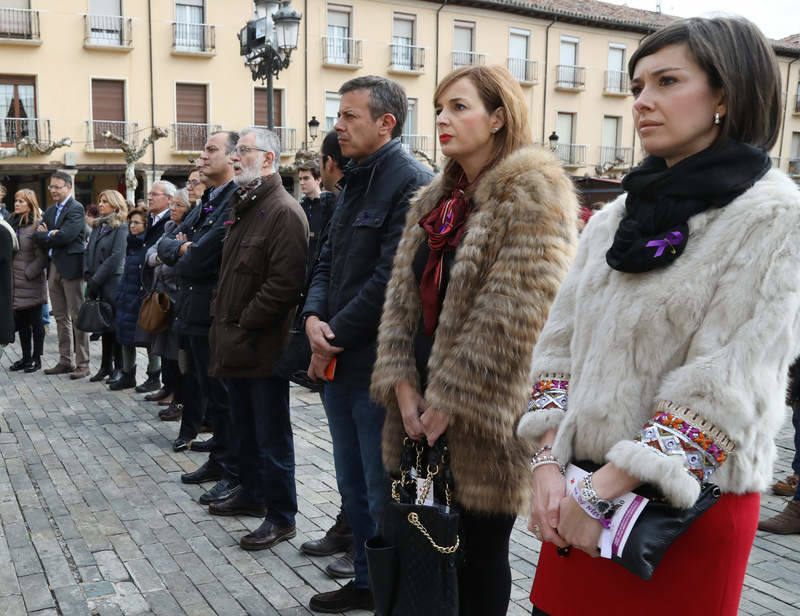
(660, 343)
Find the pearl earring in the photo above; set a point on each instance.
(494, 130)
(716, 118)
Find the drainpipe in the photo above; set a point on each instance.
(436, 72)
(152, 88)
(785, 105)
(546, 70)
(305, 62)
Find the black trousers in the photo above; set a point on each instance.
(172, 378)
(218, 409)
(29, 324)
(112, 351)
(485, 578)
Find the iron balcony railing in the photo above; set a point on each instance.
(524, 70)
(14, 129)
(107, 30)
(190, 137)
(618, 156)
(95, 129)
(571, 154)
(467, 58)
(21, 24)
(288, 137)
(412, 143)
(407, 57)
(341, 50)
(193, 37)
(617, 82)
(570, 77)
(794, 167)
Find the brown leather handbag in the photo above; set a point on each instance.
(155, 314)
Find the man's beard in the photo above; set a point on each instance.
(248, 174)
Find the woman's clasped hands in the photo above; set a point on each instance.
(419, 420)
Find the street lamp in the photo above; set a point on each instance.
(553, 139)
(267, 43)
(313, 128)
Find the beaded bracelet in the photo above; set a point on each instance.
(538, 461)
(542, 449)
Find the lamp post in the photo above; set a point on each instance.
(267, 43)
(553, 139)
(313, 128)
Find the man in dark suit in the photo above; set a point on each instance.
(63, 234)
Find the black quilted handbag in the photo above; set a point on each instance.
(95, 317)
(413, 563)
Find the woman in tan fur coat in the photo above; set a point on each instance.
(484, 251)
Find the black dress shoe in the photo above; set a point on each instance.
(18, 365)
(152, 383)
(126, 381)
(208, 472)
(238, 504)
(266, 536)
(115, 375)
(33, 366)
(94, 338)
(339, 538)
(348, 597)
(203, 446)
(181, 444)
(222, 490)
(157, 395)
(344, 566)
(101, 374)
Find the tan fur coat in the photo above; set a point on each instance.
(519, 245)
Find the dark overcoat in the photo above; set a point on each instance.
(30, 280)
(131, 291)
(105, 255)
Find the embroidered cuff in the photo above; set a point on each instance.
(550, 391)
(678, 431)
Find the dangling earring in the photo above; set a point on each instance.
(716, 118)
(494, 130)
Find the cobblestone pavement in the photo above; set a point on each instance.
(94, 518)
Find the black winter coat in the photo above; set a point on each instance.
(198, 268)
(349, 281)
(318, 212)
(131, 291)
(105, 256)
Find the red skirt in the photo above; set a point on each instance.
(701, 574)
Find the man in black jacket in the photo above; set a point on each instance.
(62, 232)
(345, 300)
(196, 253)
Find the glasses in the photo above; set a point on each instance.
(244, 149)
(54, 187)
(155, 194)
(137, 223)
(193, 182)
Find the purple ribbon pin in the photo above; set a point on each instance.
(673, 239)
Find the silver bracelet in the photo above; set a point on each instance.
(542, 460)
(542, 449)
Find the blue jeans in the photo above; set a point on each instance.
(356, 423)
(46, 314)
(260, 409)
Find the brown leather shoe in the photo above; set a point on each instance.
(59, 369)
(787, 522)
(161, 394)
(786, 487)
(237, 505)
(173, 412)
(79, 373)
(266, 536)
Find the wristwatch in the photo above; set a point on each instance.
(605, 508)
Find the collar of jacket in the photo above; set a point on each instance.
(112, 221)
(243, 200)
(355, 169)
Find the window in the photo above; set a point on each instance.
(331, 109)
(568, 151)
(260, 107)
(191, 129)
(609, 151)
(796, 146)
(403, 42)
(570, 75)
(518, 54)
(339, 34)
(189, 21)
(794, 161)
(410, 126)
(17, 21)
(410, 139)
(108, 112)
(564, 127)
(616, 77)
(17, 108)
(463, 44)
(105, 22)
(797, 99)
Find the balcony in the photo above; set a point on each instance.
(617, 83)
(95, 129)
(107, 32)
(191, 138)
(288, 137)
(14, 129)
(794, 168)
(615, 156)
(570, 78)
(467, 58)
(797, 105)
(193, 39)
(525, 71)
(407, 59)
(571, 154)
(19, 26)
(414, 143)
(341, 52)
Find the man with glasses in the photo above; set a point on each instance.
(195, 187)
(62, 233)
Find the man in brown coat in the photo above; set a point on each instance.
(261, 277)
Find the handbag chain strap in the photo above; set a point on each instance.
(413, 518)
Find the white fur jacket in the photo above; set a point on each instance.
(679, 372)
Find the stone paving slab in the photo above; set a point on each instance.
(94, 519)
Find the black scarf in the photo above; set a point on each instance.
(654, 231)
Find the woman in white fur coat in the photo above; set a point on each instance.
(665, 353)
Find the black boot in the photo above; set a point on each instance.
(105, 371)
(115, 376)
(33, 365)
(126, 381)
(152, 383)
(107, 359)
